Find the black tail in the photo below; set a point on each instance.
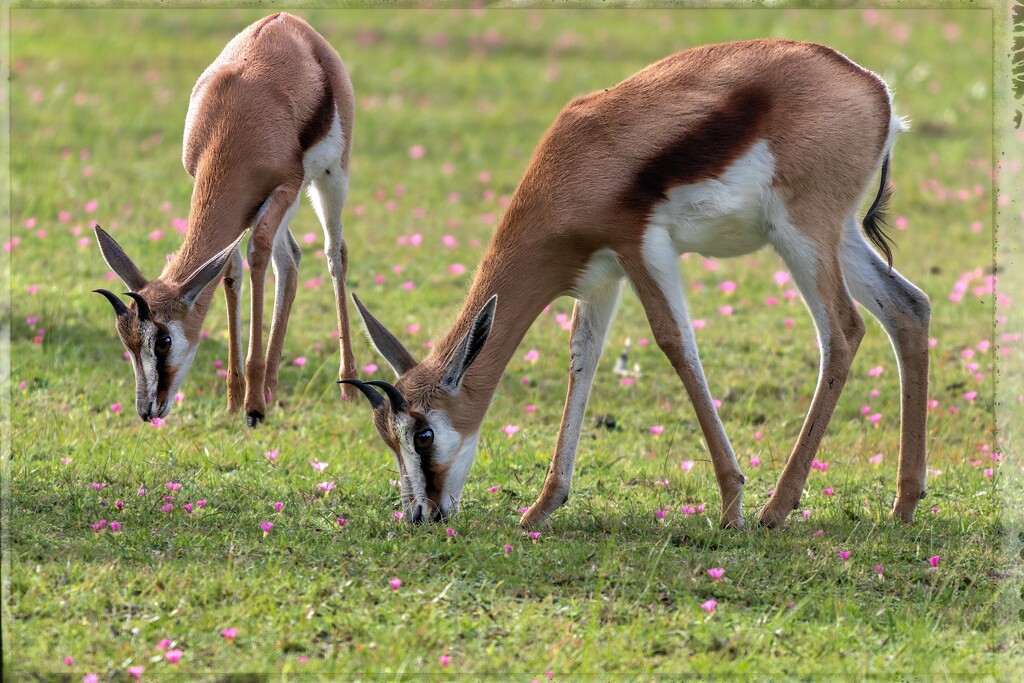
(875, 217)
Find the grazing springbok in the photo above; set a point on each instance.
(270, 117)
(718, 150)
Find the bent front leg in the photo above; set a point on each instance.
(590, 322)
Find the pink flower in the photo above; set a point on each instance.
(510, 429)
(531, 356)
(173, 485)
(97, 485)
(934, 561)
(828, 491)
(342, 521)
(90, 678)
(657, 429)
(229, 633)
(417, 152)
(445, 660)
(318, 466)
(267, 527)
(709, 606)
(879, 569)
(395, 584)
(818, 534)
(187, 507)
(277, 507)
(163, 644)
(300, 361)
(875, 459)
(755, 461)
(456, 269)
(659, 513)
(716, 573)
(115, 526)
(271, 455)
(725, 310)
(201, 503)
(781, 277)
(325, 486)
(843, 555)
(450, 532)
(157, 422)
(875, 371)
(970, 395)
(534, 536)
(686, 465)
(398, 515)
(167, 508)
(508, 549)
(136, 671)
(69, 661)
(173, 656)
(115, 408)
(408, 286)
(728, 286)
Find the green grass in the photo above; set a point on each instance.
(97, 103)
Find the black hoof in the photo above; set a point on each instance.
(254, 418)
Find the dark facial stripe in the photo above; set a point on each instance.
(704, 151)
(320, 121)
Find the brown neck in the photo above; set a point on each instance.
(527, 271)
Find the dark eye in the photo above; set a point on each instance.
(423, 440)
(162, 345)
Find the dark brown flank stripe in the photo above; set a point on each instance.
(321, 119)
(703, 152)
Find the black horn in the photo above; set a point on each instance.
(119, 307)
(397, 400)
(144, 311)
(375, 399)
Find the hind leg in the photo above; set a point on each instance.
(904, 311)
(328, 194)
(815, 268)
(285, 261)
(232, 296)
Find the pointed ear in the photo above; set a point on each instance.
(469, 348)
(201, 278)
(387, 344)
(119, 262)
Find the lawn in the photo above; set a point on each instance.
(450, 104)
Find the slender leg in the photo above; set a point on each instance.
(261, 246)
(590, 321)
(904, 312)
(840, 330)
(655, 275)
(285, 262)
(328, 193)
(232, 295)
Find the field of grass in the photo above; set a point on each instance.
(449, 107)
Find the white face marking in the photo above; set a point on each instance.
(455, 451)
(725, 216)
(146, 366)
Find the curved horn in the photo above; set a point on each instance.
(371, 395)
(397, 400)
(119, 307)
(144, 311)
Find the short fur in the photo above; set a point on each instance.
(584, 218)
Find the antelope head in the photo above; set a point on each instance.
(160, 328)
(419, 417)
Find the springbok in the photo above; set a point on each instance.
(718, 150)
(270, 117)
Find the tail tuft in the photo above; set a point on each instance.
(874, 219)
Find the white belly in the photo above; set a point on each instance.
(726, 216)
